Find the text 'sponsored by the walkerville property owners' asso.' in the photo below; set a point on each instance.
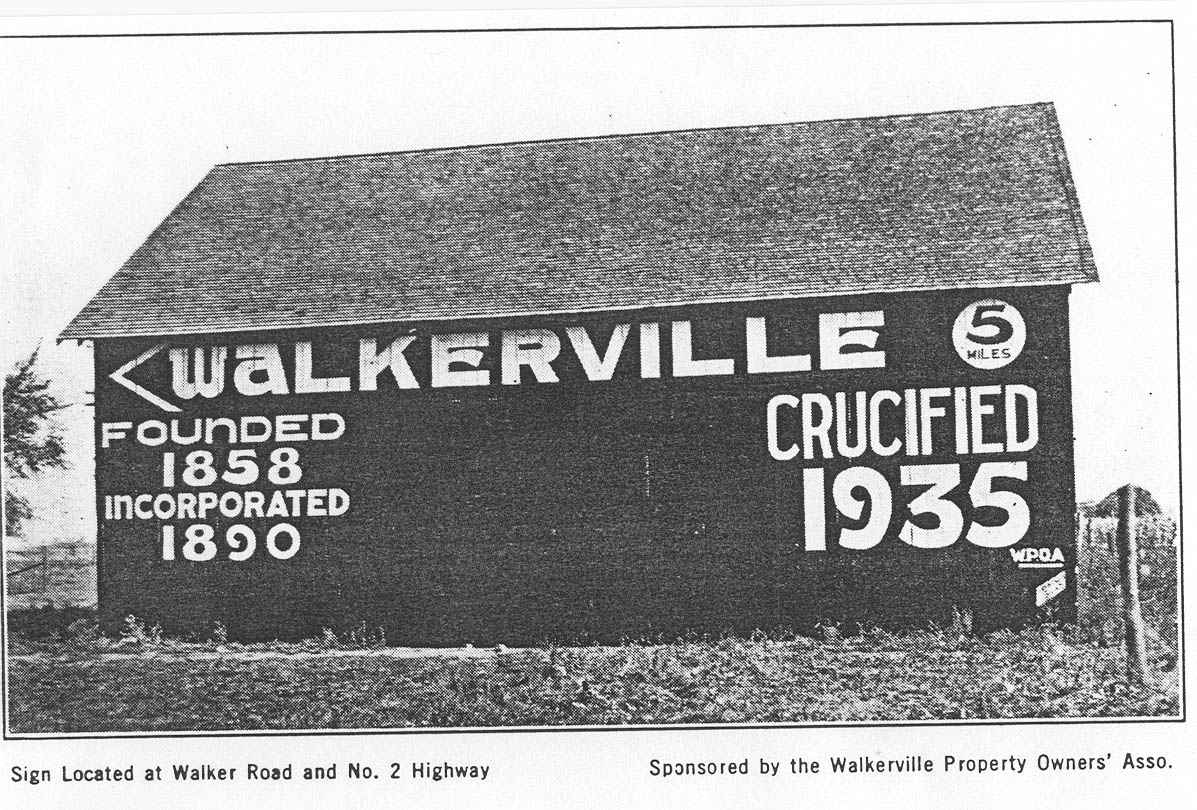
(945, 764)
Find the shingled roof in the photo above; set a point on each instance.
(976, 198)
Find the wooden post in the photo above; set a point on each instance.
(1128, 565)
(45, 571)
(1082, 564)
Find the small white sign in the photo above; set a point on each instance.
(1051, 589)
(989, 334)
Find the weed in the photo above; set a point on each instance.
(359, 637)
(135, 632)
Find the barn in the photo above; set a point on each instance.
(603, 388)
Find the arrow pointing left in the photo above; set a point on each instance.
(119, 377)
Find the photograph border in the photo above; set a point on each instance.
(1180, 718)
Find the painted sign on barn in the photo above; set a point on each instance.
(704, 469)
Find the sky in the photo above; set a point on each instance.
(101, 138)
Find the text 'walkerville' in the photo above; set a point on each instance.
(908, 764)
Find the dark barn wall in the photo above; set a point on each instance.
(588, 510)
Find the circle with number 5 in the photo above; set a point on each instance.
(989, 334)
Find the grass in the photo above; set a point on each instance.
(91, 685)
(65, 677)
